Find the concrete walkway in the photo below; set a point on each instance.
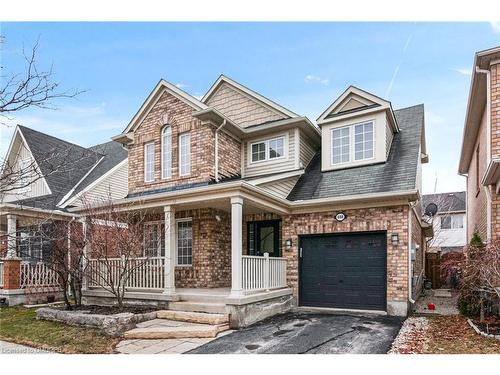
(163, 346)
(445, 301)
(11, 348)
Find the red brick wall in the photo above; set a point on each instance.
(495, 145)
(390, 219)
(229, 156)
(476, 199)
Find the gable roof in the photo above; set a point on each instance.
(446, 202)
(398, 173)
(354, 100)
(65, 165)
(153, 96)
(268, 103)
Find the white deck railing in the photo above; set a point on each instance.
(141, 273)
(263, 272)
(1, 274)
(37, 275)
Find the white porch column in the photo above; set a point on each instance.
(86, 253)
(11, 236)
(170, 247)
(236, 245)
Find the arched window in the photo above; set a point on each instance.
(166, 152)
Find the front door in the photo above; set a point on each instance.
(263, 237)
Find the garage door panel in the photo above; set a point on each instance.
(344, 271)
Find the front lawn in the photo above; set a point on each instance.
(19, 325)
(453, 335)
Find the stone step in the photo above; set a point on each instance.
(202, 307)
(193, 317)
(202, 297)
(176, 332)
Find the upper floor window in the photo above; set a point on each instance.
(267, 150)
(166, 152)
(452, 222)
(352, 143)
(149, 162)
(184, 154)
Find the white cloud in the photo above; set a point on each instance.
(181, 85)
(309, 78)
(465, 72)
(434, 119)
(496, 27)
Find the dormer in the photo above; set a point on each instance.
(356, 129)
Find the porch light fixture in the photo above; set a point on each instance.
(395, 239)
(288, 243)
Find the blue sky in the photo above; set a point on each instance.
(303, 66)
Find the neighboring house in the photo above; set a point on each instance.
(480, 154)
(253, 209)
(50, 176)
(449, 222)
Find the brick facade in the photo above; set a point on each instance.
(390, 219)
(495, 146)
(181, 120)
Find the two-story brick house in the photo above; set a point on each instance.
(480, 153)
(252, 209)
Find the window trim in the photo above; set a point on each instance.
(451, 216)
(145, 161)
(151, 223)
(177, 221)
(352, 148)
(180, 154)
(266, 141)
(164, 130)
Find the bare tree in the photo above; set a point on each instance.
(116, 247)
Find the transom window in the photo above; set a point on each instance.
(184, 242)
(268, 150)
(166, 152)
(149, 162)
(184, 154)
(352, 143)
(452, 222)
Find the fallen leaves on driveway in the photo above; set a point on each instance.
(412, 338)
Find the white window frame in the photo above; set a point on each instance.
(146, 145)
(452, 216)
(177, 221)
(161, 229)
(267, 149)
(166, 155)
(181, 161)
(352, 139)
(372, 123)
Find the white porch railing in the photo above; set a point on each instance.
(263, 272)
(1, 274)
(142, 273)
(37, 275)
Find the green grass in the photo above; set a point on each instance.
(19, 325)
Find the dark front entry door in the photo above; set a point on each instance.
(263, 237)
(344, 271)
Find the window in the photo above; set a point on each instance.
(363, 141)
(184, 154)
(166, 152)
(34, 243)
(340, 145)
(267, 150)
(359, 135)
(154, 239)
(452, 222)
(149, 162)
(264, 237)
(184, 243)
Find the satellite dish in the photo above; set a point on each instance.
(431, 209)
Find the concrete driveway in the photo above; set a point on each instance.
(310, 332)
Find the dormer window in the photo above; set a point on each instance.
(268, 149)
(343, 139)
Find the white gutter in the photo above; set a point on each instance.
(217, 149)
(488, 146)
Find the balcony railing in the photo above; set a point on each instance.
(263, 272)
(37, 275)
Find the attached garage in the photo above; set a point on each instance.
(345, 270)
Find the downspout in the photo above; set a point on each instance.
(410, 276)
(488, 146)
(217, 150)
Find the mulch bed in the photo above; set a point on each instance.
(110, 310)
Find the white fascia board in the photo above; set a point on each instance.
(69, 193)
(252, 94)
(151, 100)
(5, 207)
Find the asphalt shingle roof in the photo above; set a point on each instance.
(446, 202)
(397, 174)
(64, 164)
